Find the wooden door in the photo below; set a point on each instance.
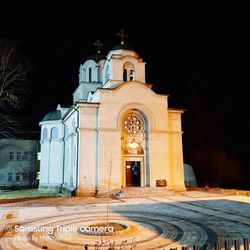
(128, 173)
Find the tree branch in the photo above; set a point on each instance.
(14, 69)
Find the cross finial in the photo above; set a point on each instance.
(98, 45)
(122, 35)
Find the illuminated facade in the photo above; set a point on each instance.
(116, 121)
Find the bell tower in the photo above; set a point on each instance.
(123, 64)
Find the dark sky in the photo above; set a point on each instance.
(196, 54)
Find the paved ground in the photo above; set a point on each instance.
(156, 222)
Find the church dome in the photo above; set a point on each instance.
(122, 50)
(95, 57)
(122, 46)
(53, 115)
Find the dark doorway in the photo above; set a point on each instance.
(133, 173)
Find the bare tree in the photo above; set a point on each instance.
(14, 69)
(9, 124)
(110, 159)
(28, 172)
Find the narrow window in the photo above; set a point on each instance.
(84, 75)
(131, 76)
(45, 134)
(12, 156)
(10, 176)
(54, 133)
(18, 176)
(25, 156)
(125, 75)
(90, 74)
(19, 156)
(128, 72)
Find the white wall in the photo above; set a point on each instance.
(84, 72)
(51, 165)
(71, 150)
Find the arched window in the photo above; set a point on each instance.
(45, 134)
(90, 74)
(54, 133)
(133, 148)
(131, 75)
(84, 75)
(128, 72)
(125, 73)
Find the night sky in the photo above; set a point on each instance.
(195, 54)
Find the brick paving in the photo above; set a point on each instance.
(153, 222)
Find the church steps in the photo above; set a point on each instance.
(137, 192)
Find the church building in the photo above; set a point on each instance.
(117, 131)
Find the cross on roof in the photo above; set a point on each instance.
(98, 45)
(122, 35)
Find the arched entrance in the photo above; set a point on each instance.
(134, 164)
(134, 149)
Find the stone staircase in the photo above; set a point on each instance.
(132, 192)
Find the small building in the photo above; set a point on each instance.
(18, 162)
(117, 131)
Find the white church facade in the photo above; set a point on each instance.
(117, 131)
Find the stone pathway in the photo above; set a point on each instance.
(155, 222)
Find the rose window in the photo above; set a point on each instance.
(132, 124)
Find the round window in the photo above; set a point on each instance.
(132, 124)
